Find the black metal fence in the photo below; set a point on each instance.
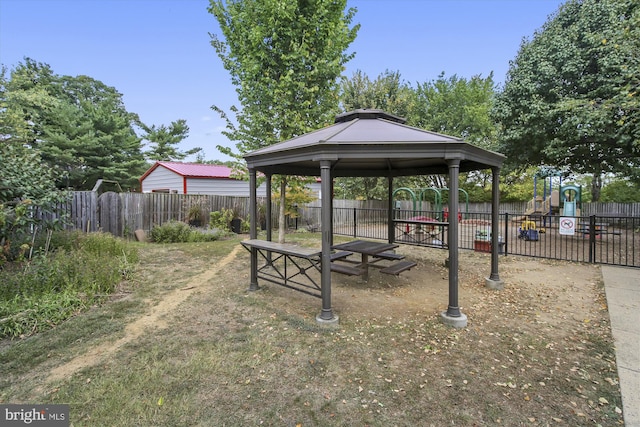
(613, 240)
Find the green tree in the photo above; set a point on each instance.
(458, 107)
(285, 59)
(164, 141)
(571, 95)
(25, 102)
(26, 185)
(387, 92)
(454, 106)
(620, 191)
(79, 126)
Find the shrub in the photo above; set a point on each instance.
(179, 232)
(170, 232)
(221, 219)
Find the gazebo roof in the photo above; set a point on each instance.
(371, 143)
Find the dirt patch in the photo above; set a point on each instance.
(559, 290)
(155, 318)
(537, 353)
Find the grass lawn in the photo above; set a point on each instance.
(188, 345)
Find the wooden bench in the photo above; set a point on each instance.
(346, 269)
(398, 267)
(390, 256)
(340, 255)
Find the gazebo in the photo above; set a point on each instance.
(373, 143)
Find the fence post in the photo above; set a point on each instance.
(506, 233)
(592, 238)
(355, 225)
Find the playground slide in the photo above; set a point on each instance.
(541, 206)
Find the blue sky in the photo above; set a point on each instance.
(157, 54)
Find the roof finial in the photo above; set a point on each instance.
(368, 114)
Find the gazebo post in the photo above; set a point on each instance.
(391, 229)
(453, 316)
(331, 200)
(493, 281)
(326, 315)
(253, 229)
(267, 211)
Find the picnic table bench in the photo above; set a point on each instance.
(288, 265)
(398, 267)
(340, 255)
(389, 256)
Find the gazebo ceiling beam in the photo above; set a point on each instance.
(388, 170)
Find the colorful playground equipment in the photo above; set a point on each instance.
(527, 231)
(564, 201)
(442, 212)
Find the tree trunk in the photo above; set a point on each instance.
(596, 187)
(282, 226)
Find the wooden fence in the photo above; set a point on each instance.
(123, 213)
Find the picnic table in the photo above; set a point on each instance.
(599, 229)
(422, 230)
(377, 251)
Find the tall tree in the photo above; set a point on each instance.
(25, 102)
(387, 92)
(79, 125)
(459, 107)
(571, 95)
(25, 181)
(164, 141)
(285, 59)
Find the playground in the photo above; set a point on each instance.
(550, 227)
(613, 242)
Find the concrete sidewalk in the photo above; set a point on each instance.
(622, 286)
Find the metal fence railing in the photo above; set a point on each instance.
(613, 240)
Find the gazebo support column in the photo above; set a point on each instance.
(267, 213)
(391, 229)
(493, 281)
(453, 316)
(253, 230)
(326, 315)
(267, 210)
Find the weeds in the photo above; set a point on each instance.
(48, 289)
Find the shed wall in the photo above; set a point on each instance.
(221, 187)
(161, 179)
